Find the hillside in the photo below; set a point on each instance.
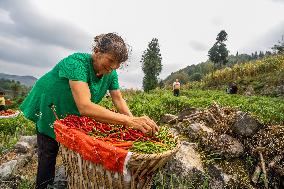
(197, 71)
(254, 76)
(25, 80)
(261, 77)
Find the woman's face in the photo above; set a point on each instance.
(104, 63)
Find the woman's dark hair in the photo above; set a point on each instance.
(113, 44)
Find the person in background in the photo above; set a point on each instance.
(176, 87)
(232, 88)
(2, 101)
(75, 86)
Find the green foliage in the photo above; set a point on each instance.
(279, 48)
(218, 53)
(207, 67)
(13, 89)
(195, 77)
(258, 73)
(161, 84)
(12, 128)
(268, 110)
(26, 184)
(222, 36)
(151, 65)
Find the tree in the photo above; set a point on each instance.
(279, 48)
(161, 84)
(222, 36)
(267, 53)
(261, 54)
(151, 65)
(195, 77)
(218, 53)
(16, 87)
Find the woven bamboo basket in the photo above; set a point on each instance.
(83, 174)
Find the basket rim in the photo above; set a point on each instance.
(161, 154)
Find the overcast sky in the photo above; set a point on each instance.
(36, 34)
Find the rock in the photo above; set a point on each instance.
(60, 180)
(195, 130)
(277, 91)
(22, 147)
(168, 118)
(23, 160)
(6, 169)
(249, 91)
(218, 178)
(186, 113)
(179, 127)
(183, 170)
(222, 144)
(31, 140)
(175, 132)
(227, 146)
(245, 125)
(25, 144)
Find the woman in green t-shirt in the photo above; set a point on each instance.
(75, 86)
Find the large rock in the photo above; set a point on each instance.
(22, 147)
(186, 113)
(31, 140)
(23, 160)
(60, 180)
(245, 125)
(225, 145)
(218, 178)
(26, 144)
(6, 169)
(222, 144)
(185, 169)
(168, 118)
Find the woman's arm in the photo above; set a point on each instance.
(82, 97)
(119, 102)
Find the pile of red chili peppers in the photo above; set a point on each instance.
(117, 135)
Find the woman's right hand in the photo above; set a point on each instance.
(144, 124)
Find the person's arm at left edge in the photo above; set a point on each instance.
(119, 102)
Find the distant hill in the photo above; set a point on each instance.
(198, 71)
(25, 80)
(257, 77)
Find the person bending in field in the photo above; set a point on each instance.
(232, 88)
(75, 86)
(176, 87)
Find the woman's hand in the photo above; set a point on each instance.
(144, 124)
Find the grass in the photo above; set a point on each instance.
(11, 129)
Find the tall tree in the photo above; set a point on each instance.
(279, 48)
(218, 53)
(16, 87)
(151, 65)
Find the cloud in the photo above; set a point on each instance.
(26, 52)
(198, 46)
(28, 38)
(269, 39)
(282, 1)
(29, 23)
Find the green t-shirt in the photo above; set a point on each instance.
(53, 88)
